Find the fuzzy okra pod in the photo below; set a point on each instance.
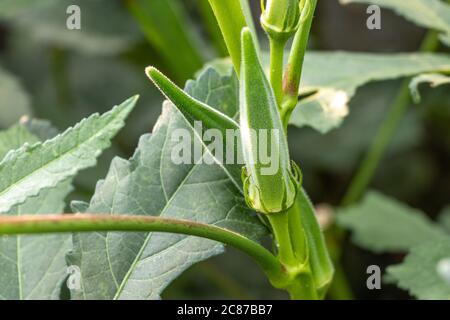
(269, 187)
(279, 195)
(194, 111)
(191, 108)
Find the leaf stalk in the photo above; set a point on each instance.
(43, 224)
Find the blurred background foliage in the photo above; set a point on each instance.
(61, 75)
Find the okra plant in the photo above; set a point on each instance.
(216, 170)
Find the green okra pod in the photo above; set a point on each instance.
(210, 118)
(269, 186)
(190, 107)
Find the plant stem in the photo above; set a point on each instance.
(231, 20)
(96, 222)
(276, 67)
(367, 169)
(299, 242)
(293, 254)
(292, 77)
(280, 228)
(303, 288)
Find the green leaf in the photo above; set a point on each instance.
(167, 29)
(27, 171)
(431, 14)
(27, 273)
(100, 34)
(382, 224)
(422, 271)
(335, 77)
(14, 101)
(140, 266)
(434, 79)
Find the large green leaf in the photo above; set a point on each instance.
(32, 168)
(27, 273)
(106, 29)
(140, 265)
(14, 102)
(337, 76)
(382, 224)
(425, 272)
(431, 14)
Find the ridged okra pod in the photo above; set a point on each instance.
(270, 180)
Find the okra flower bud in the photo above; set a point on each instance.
(269, 186)
(281, 18)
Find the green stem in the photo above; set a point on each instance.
(280, 228)
(95, 223)
(291, 83)
(303, 288)
(231, 20)
(299, 242)
(368, 167)
(276, 67)
(293, 254)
